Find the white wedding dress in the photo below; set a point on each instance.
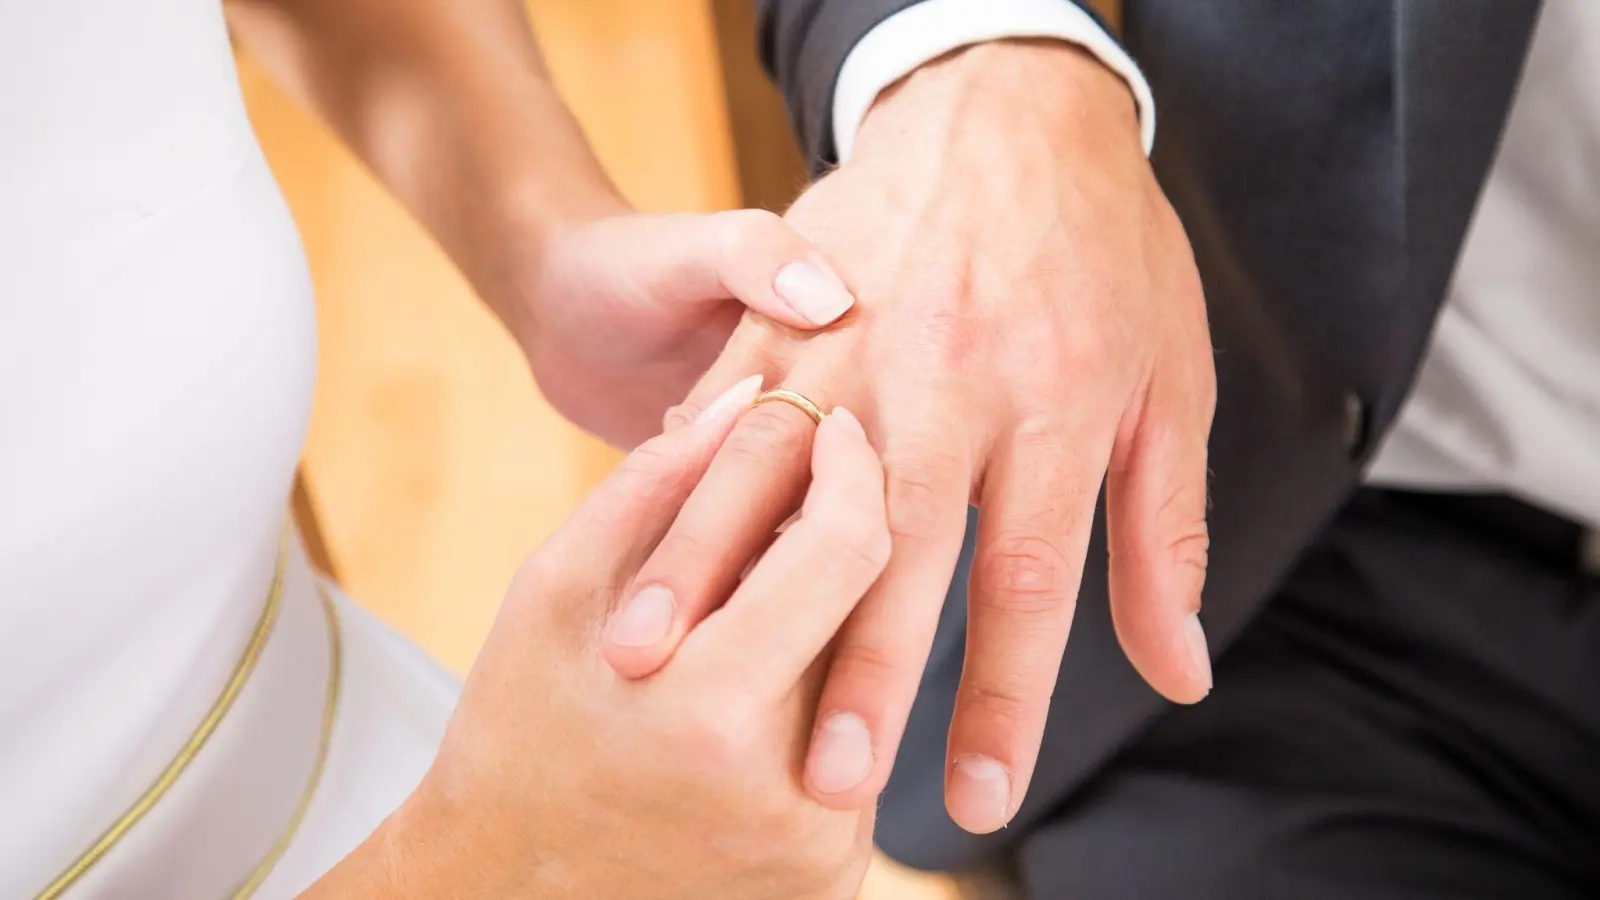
(156, 361)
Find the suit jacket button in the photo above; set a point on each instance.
(1355, 424)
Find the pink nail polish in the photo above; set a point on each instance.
(841, 754)
(980, 794)
(848, 419)
(735, 398)
(814, 293)
(645, 620)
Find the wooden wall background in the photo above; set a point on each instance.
(432, 464)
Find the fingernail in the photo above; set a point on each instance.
(841, 756)
(644, 620)
(980, 794)
(1199, 656)
(848, 419)
(737, 397)
(813, 292)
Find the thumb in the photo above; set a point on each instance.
(750, 255)
(1156, 529)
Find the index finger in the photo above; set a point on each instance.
(789, 607)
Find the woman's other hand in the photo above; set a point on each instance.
(620, 314)
(560, 778)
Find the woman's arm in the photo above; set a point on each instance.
(450, 104)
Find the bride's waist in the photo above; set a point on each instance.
(82, 748)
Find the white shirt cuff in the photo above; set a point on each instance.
(932, 28)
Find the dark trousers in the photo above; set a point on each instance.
(1415, 715)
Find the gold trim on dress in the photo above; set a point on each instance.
(191, 748)
(329, 708)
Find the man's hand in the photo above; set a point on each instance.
(1029, 323)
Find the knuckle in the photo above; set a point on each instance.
(540, 572)
(865, 666)
(1086, 349)
(758, 345)
(856, 535)
(678, 416)
(1043, 434)
(1022, 576)
(764, 437)
(943, 338)
(743, 224)
(654, 460)
(678, 549)
(999, 700)
(916, 503)
(747, 234)
(1190, 547)
(1183, 511)
(560, 605)
(724, 733)
(865, 548)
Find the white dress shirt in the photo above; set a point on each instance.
(1508, 397)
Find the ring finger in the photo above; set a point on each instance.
(757, 481)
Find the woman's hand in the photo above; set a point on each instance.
(623, 313)
(560, 778)
(619, 313)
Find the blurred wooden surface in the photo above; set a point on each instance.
(1111, 10)
(771, 168)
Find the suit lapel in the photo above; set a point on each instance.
(1457, 67)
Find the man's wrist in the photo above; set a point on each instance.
(929, 29)
(1058, 90)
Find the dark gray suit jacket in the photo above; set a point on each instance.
(1325, 157)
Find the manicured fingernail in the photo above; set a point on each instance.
(645, 619)
(848, 419)
(841, 754)
(1199, 656)
(813, 292)
(980, 794)
(737, 397)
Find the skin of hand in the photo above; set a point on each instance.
(1029, 324)
(558, 778)
(627, 312)
(619, 313)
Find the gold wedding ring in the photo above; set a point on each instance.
(793, 398)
